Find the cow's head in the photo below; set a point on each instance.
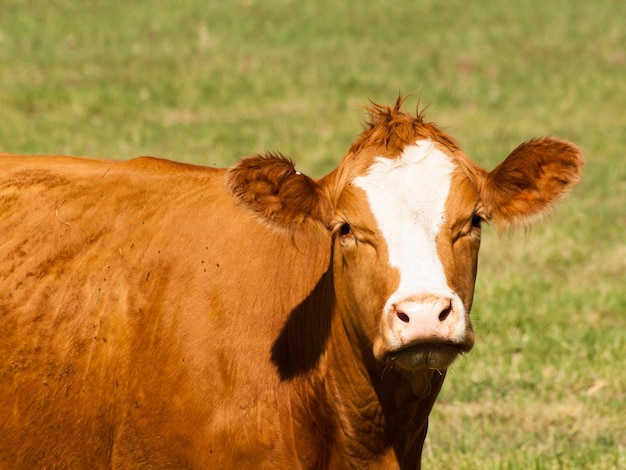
(404, 210)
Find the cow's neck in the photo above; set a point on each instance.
(406, 404)
(341, 401)
(385, 405)
(364, 415)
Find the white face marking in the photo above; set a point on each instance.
(407, 196)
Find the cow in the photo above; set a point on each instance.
(163, 315)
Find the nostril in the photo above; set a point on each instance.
(445, 313)
(403, 316)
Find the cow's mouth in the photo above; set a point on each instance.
(426, 356)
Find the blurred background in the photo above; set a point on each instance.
(207, 82)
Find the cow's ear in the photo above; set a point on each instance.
(533, 177)
(270, 186)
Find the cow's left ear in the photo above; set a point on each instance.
(270, 186)
(532, 178)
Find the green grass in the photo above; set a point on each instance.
(210, 81)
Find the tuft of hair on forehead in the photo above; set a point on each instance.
(390, 130)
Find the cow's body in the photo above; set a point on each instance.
(160, 315)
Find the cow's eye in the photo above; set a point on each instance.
(477, 221)
(475, 229)
(345, 229)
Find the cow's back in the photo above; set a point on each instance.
(137, 315)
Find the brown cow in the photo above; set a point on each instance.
(161, 315)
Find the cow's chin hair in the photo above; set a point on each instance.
(425, 356)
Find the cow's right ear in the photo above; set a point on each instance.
(270, 186)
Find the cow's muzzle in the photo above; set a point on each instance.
(424, 331)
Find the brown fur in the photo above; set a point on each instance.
(535, 175)
(269, 185)
(160, 315)
(392, 130)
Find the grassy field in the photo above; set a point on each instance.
(210, 81)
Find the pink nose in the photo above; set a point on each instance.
(427, 319)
